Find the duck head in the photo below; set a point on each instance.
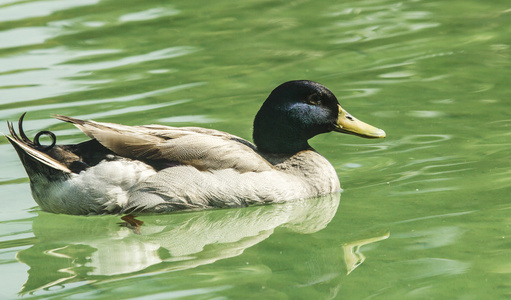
(298, 110)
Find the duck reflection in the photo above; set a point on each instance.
(77, 249)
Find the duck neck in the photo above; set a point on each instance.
(277, 138)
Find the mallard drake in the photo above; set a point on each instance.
(158, 169)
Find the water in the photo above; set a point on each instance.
(424, 213)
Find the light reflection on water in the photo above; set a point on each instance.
(84, 251)
(12, 11)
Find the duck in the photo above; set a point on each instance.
(153, 169)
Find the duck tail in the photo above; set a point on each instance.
(34, 156)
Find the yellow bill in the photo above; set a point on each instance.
(346, 123)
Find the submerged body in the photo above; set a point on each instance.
(158, 169)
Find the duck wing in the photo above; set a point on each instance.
(162, 146)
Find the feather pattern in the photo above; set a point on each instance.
(197, 147)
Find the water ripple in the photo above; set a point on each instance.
(15, 112)
(51, 76)
(430, 267)
(134, 59)
(25, 36)
(149, 14)
(400, 74)
(432, 238)
(27, 10)
(372, 21)
(421, 139)
(189, 119)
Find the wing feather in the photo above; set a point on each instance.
(205, 149)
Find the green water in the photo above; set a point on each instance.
(425, 213)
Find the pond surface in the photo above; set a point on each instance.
(424, 213)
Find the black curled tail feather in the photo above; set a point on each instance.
(23, 137)
(32, 153)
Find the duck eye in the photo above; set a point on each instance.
(313, 100)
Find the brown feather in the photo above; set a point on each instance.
(205, 149)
